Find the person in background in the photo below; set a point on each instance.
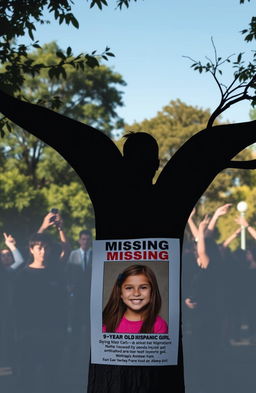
(61, 250)
(205, 302)
(40, 307)
(78, 265)
(78, 272)
(10, 257)
(10, 260)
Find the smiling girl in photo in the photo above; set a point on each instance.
(134, 303)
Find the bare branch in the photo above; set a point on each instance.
(218, 84)
(232, 84)
(222, 84)
(237, 90)
(234, 96)
(236, 100)
(190, 58)
(221, 108)
(215, 51)
(225, 60)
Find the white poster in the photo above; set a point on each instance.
(135, 302)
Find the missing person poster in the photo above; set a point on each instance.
(135, 302)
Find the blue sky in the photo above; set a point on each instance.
(150, 38)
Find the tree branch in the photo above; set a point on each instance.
(250, 164)
(218, 84)
(228, 91)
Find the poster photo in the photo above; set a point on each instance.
(135, 302)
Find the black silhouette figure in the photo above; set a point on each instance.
(128, 205)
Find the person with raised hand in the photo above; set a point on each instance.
(192, 226)
(203, 258)
(54, 219)
(219, 212)
(40, 304)
(10, 257)
(241, 220)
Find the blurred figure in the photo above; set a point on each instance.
(206, 301)
(10, 257)
(190, 270)
(79, 267)
(40, 305)
(245, 322)
(10, 260)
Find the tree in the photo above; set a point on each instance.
(243, 85)
(18, 17)
(185, 187)
(34, 178)
(253, 114)
(91, 96)
(185, 178)
(88, 95)
(172, 127)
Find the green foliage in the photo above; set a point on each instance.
(86, 94)
(227, 224)
(19, 17)
(33, 177)
(27, 193)
(18, 63)
(173, 126)
(227, 188)
(121, 3)
(75, 206)
(253, 114)
(17, 191)
(243, 86)
(26, 198)
(101, 3)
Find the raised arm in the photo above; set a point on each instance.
(232, 237)
(90, 152)
(11, 244)
(244, 223)
(192, 226)
(55, 220)
(203, 258)
(221, 211)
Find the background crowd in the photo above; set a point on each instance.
(43, 326)
(218, 298)
(42, 320)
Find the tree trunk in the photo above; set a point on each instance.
(128, 212)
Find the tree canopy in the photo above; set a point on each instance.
(243, 85)
(197, 166)
(172, 127)
(19, 17)
(33, 177)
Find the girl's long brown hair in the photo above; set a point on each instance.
(115, 308)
